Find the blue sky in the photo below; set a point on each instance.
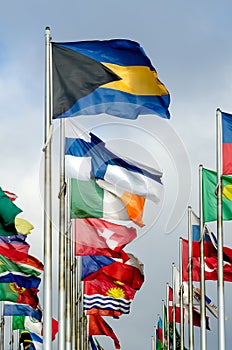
(189, 43)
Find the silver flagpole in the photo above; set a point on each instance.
(181, 297)
(74, 302)
(68, 285)
(11, 334)
(202, 267)
(155, 337)
(190, 281)
(174, 306)
(2, 326)
(163, 324)
(47, 295)
(62, 235)
(167, 302)
(221, 311)
(79, 305)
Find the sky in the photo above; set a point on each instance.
(189, 44)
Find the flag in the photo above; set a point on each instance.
(85, 159)
(102, 267)
(209, 189)
(196, 312)
(13, 309)
(95, 345)
(26, 340)
(108, 295)
(37, 341)
(178, 338)
(208, 302)
(12, 196)
(31, 324)
(31, 341)
(8, 212)
(23, 226)
(111, 76)
(23, 275)
(12, 292)
(210, 261)
(21, 257)
(226, 143)
(15, 242)
(98, 326)
(89, 199)
(159, 334)
(100, 237)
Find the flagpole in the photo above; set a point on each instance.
(68, 342)
(62, 240)
(79, 305)
(167, 302)
(190, 281)
(2, 326)
(174, 306)
(181, 297)
(74, 303)
(221, 311)
(202, 266)
(11, 334)
(47, 295)
(163, 325)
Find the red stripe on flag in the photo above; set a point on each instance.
(227, 158)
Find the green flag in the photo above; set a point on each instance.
(8, 212)
(209, 188)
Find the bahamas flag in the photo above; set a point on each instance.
(227, 143)
(111, 76)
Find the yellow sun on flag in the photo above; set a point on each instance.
(116, 292)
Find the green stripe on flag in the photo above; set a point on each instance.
(86, 199)
(18, 322)
(209, 196)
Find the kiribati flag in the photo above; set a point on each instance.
(226, 143)
(111, 76)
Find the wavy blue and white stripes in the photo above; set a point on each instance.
(97, 301)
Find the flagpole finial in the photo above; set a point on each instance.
(218, 109)
(47, 28)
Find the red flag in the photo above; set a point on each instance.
(210, 262)
(107, 298)
(54, 329)
(98, 326)
(100, 237)
(196, 312)
(105, 268)
(12, 196)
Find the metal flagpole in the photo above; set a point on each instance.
(221, 311)
(2, 326)
(181, 297)
(190, 281)
(202, 267)
(47, 295)
(174, 306)
(62, 296)
(11, 343)
(68, 344)
(79, 305)
(163, 324)
(155, 337)
(167, 302)
(74, 302)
